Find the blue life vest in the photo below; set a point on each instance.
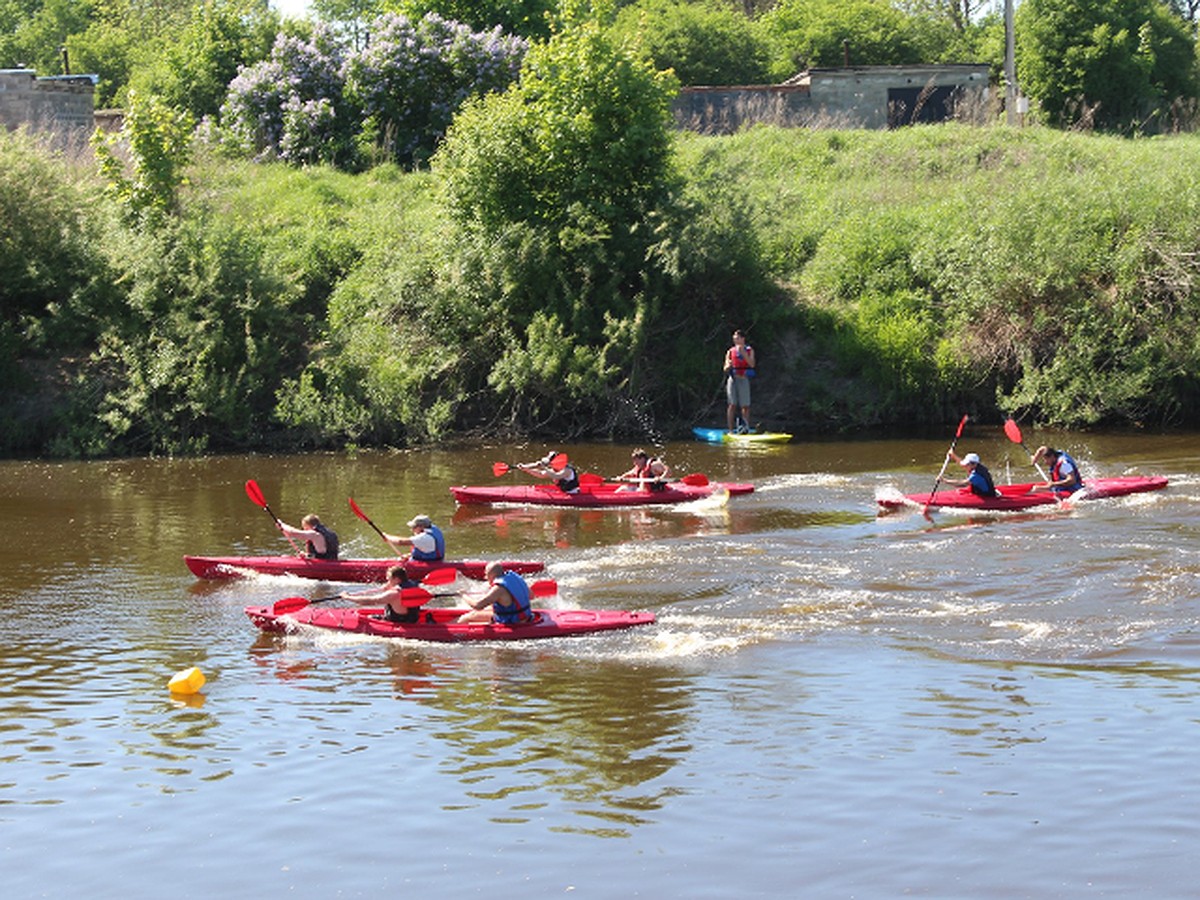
(981, 482)
(439, 550)
(519, 611)
(331, 544)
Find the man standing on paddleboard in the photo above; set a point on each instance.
(739, 369)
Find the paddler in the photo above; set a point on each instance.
(319, 541)
(427, 541)
(390, 595)
(566, 478)
(649, 473)
(978, 479)
(507, 601)
(1064, 471)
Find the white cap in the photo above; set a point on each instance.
(970, 458)
(423, 521)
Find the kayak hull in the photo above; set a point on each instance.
(352, 570)
(443, 628)
(721, 436)
(1017, 496)
(593, 495)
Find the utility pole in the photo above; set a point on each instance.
(1010, 65)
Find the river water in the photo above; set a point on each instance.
(832, 704)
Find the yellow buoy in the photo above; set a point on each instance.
(186, 682)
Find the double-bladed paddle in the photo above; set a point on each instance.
(693, 479)
(410, 596)
(558, 462)
(291, 604)
(254, 492)
(945, 462)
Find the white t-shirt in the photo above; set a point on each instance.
(424, 542)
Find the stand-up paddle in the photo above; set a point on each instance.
(558, 462)
(254, 492)
(362, 515)
(945, 463)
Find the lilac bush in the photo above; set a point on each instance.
(316, 101)
(412, 77)
(287, 106)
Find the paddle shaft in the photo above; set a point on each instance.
(409, 597)
(362, 515)
(254, 492)
(1013, 432)
(558, 462)
(946, 461)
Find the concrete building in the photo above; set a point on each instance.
(850, 97)
(62, 104)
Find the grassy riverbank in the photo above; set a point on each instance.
(886, 278)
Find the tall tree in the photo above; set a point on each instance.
(194, 68)
(810, 33)
(702, 43)
(528, 18)
(1117, 64)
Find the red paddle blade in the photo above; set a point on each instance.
(695, 479)
(591, 478)
(499, 468)
(255, 494)
(415, 596)
(1013, 432)
(358, 510)
(961, 425)
(440, 576)
(288, 605)
(558, 462)
(547, 587)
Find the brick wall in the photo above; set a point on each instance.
(850, 97)
(61, 103)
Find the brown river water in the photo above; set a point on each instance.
(832, 703)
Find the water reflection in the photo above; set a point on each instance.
(594, 735)
(524, 729)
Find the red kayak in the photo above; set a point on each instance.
(354, 570)
(440, 625)
(592, 495)
(1018, 496)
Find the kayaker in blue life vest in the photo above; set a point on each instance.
(649, 473)
(507, 601)
(319, 541)
(567, 478)
(428, 542)
(1065, 477)
(978, 479)
(391, 596)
